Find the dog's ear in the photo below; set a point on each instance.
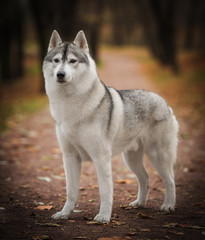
(55, 40)
(81, 42)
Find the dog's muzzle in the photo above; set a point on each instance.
(61, 76)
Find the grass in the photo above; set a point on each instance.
(21, 98)
(14, 112)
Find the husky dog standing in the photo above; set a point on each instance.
(95, 122)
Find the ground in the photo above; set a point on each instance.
(32, 179)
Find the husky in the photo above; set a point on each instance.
(95, 122)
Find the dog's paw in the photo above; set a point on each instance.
(102, 218)
(137, 203)
(60, 215)
(167, 208)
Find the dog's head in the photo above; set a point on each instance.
(68, 64)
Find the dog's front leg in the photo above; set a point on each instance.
(104, 174)
(72, 166)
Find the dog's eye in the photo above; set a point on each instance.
(73, 61)
(56, 60)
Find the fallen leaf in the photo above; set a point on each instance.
(43, 237)
(39, 203)
(25, 186)
(77, 211)
(91, 200)
(192, 226)
(170, 225)
(173, 225)
(81, 238)
(56, 150)
(94, 223)
(93, 186)
(71, 221)
(44, 207)
(46, 179)
(185, 169)
(175, 232)
(126, 207)
(117, 223)
(132, 233)
(47, 157)
(144, 216)
(145, 230)
(58, 177)
(48, 224)
(15, 142)
(45, 168)
(125, 181)
(33, 149)
(26, 133)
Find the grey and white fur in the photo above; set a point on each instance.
(95, 122)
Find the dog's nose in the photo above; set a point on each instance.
(61, 75)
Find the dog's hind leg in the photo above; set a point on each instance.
(163, 161)
(134, 161)
(162, 151)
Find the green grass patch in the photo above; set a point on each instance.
(197, 77)
(16, 111)
(6, 112)
(33, 70)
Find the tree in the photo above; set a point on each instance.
(89, 15)
(49, 15)
(158, 20)
(11, 41)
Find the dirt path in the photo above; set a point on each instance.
(33, 184)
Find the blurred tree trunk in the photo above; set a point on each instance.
(49, 15)
(95, 27)
(43, 19)
(201, 27)
(11, 41)
(89, 15)
(118, 19)
(158, 20)
(190, 24)
(123, 20)
(66, 14)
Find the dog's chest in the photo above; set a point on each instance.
(65, 115)
(69, 122)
